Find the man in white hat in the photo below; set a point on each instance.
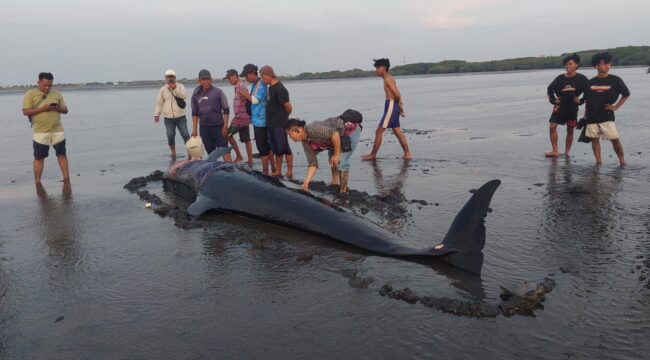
(171, 104)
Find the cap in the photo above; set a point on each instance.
(248, 68)
(170, 72)
(267, 70)
(230, 73)
(204, 74)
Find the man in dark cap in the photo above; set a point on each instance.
(210, 106)
(564, 94)
(601, 97)
(393, 109)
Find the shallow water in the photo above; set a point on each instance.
(92, 273)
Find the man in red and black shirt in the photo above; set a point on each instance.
(564, 93)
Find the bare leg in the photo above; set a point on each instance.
(595, 146)
(38, 170)
(402, 141)
(569, 140)
(265, 164)
(375, 146)
(278, 166)
(63, 164)
(618, 148)
(272, 161)
(290, 166)
(553, 134)
(227, 158)
(335, 176)
(173, 150)
(233, 143)
(249, 152)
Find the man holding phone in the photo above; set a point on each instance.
(44, 106)
(171, 104)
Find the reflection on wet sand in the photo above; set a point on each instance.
(58, 227)
(390, 189)
(580, 215)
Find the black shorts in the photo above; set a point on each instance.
(42, 151)
(563, 120)
(261, 140)
(244, 133)
(279, 141)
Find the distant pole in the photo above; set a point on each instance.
(404, 59)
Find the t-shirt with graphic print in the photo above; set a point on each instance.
(567, 89)
(601, 92)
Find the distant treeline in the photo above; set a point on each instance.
(628, 55)
(623, 56)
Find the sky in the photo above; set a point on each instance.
(123, 40)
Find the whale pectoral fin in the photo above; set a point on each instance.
(201, 205)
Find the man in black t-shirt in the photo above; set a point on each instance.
(601, 94)
(278, 109)
(564, 94)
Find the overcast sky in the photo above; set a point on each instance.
(116, 40)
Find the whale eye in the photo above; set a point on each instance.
(439, 246)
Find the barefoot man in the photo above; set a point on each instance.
(605, 94)
(564, 94)
(392, 111)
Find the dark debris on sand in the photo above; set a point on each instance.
(512, 302)
(356, 281)
(140, 182)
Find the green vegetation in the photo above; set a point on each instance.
(623, 56)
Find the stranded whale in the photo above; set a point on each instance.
(228, 187)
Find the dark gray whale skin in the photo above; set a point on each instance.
(241, 191)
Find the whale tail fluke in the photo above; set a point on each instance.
(466, 236)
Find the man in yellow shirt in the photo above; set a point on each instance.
(44, 107)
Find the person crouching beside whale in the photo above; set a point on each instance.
(339, 135)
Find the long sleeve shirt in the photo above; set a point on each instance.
(166, 103)
(209, 106)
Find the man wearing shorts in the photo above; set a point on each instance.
(278, 109)
(44, 107)
(601, 94)
(257, 98)
(393, 109)
(210, 105)
(564, 94)
(241, 121)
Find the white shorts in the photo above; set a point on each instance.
(49, 138)
(607, 129)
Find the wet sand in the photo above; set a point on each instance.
(92, 273)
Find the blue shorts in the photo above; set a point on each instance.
(212, 137)
(390, 119)
(42, 151)
(279, 141)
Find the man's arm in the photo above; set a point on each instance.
(392, 86)
(179, 91)
(336, 140)
(551, 93)
(312, 162)
(287, 107)
(160, 100)
(43, 108)
(618, 105)
(195, 115)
